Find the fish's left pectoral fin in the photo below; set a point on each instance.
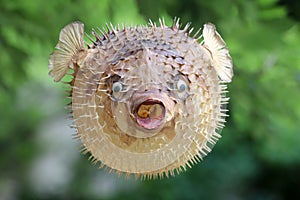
(219, 53)
(70, 43)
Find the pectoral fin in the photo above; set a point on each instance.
(69, 45)
(221, 59)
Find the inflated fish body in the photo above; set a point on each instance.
(146, 100)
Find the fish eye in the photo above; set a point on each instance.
(116, 87)
(117, 91)
(181, 86)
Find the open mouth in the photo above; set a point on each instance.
(150, 114)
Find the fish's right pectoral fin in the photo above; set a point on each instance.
(70, 43)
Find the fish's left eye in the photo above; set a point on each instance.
(180, 89)
(181, 86)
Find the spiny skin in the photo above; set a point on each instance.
(146, 100)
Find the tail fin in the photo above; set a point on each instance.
(222, 61)
(69, 44)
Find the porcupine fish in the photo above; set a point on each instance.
(146, 100)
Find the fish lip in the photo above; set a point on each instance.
(149, 123)
(151, 96)
(148, 98)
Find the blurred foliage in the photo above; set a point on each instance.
(259, 154)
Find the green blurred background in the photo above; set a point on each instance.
(258, 156)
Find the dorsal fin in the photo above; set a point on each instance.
(221, 59)
(69, 44)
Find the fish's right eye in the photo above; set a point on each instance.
(117, 90)
(116, 87)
